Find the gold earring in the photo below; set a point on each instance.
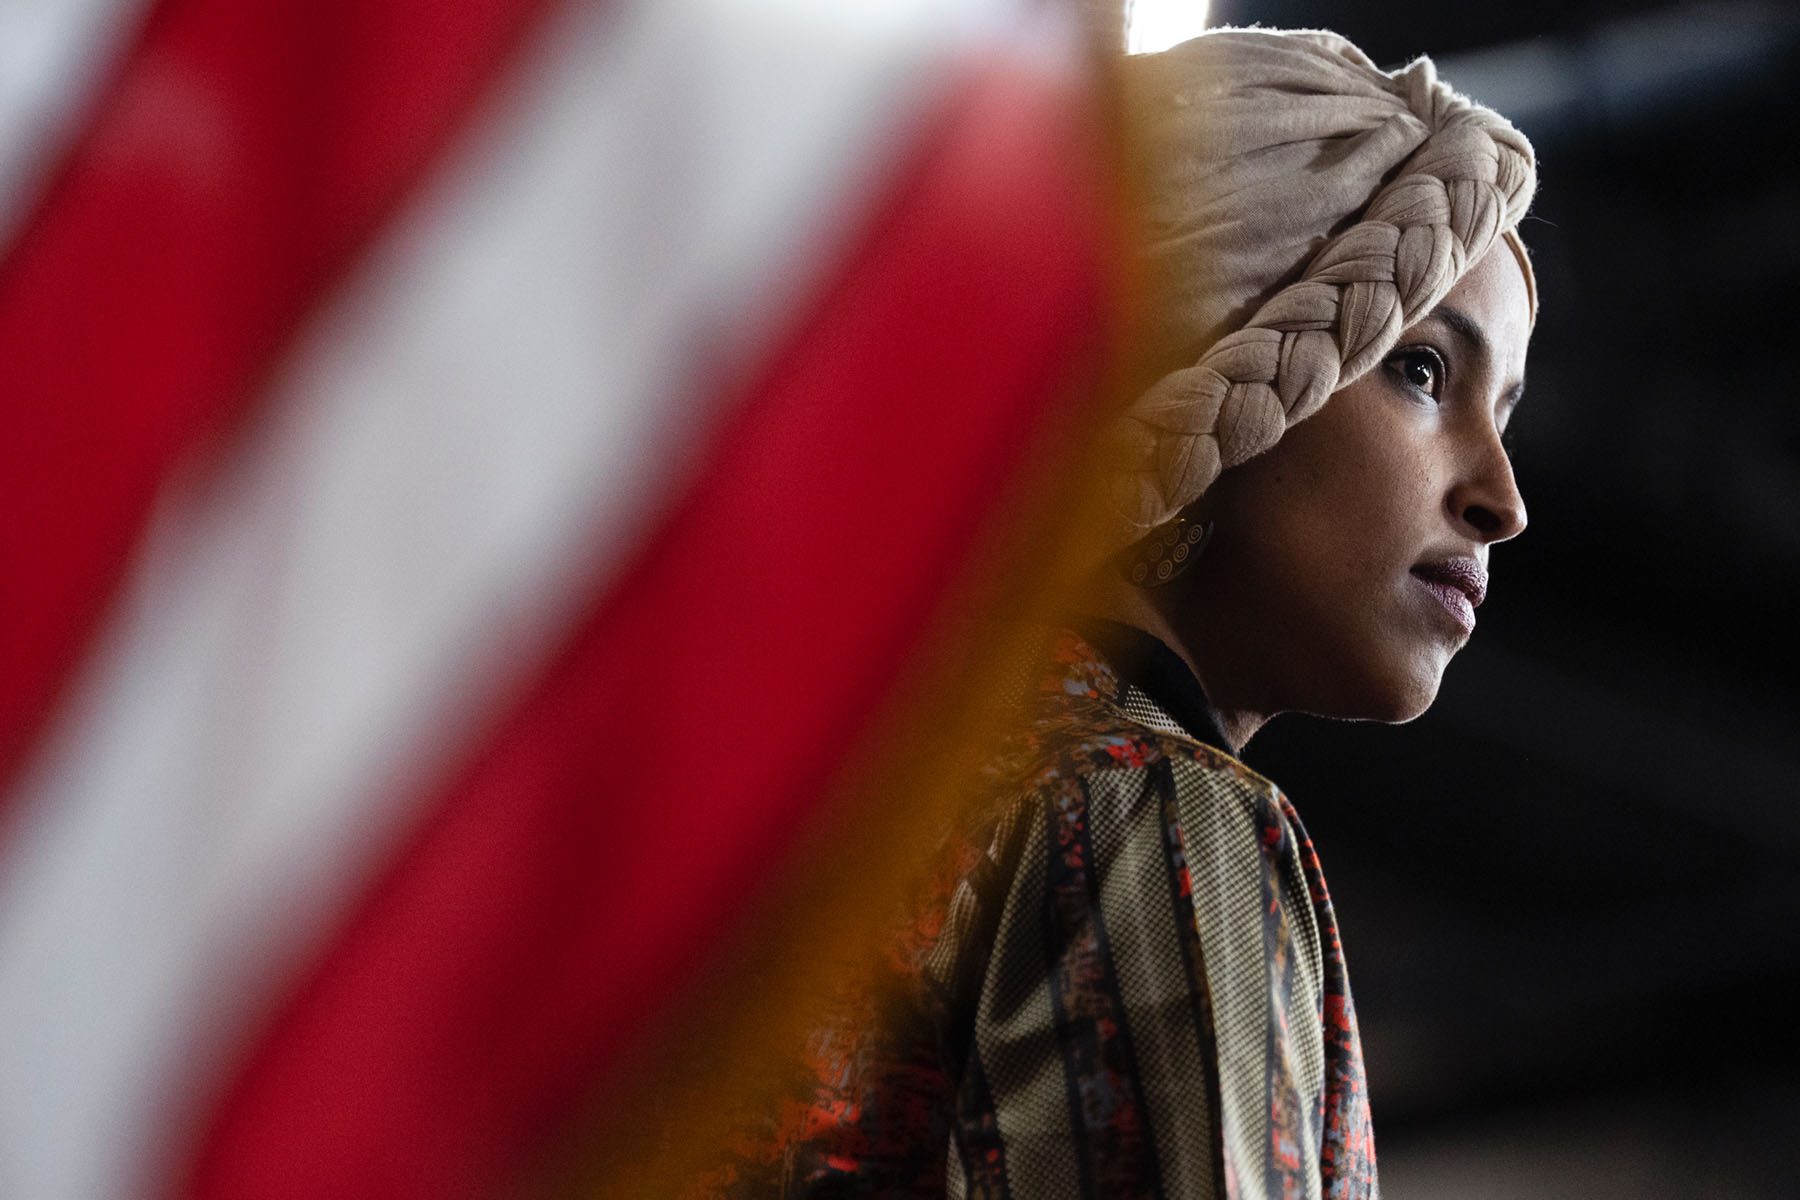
(1165, 552)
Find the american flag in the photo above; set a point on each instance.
(476, 475)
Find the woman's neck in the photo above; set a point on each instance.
(1115, 600)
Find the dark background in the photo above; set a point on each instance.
(1568, 894)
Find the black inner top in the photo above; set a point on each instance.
(1144, 662)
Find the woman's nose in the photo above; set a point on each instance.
(1486, 501)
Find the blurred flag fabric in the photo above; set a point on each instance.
(474, 473)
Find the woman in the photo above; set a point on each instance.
(1131, 983)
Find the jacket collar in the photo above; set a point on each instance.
(1108, 659)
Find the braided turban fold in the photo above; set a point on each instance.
(1305, 207)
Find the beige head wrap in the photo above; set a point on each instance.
(1305, 207)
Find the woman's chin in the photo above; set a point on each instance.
(1412, 689)
(1393, 691)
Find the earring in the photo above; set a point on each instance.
(1166, 552)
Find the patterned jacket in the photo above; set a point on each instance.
(1125, 982)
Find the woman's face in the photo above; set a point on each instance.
(1345, 562)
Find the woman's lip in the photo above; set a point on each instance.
(1454, 600)
(1460, 571)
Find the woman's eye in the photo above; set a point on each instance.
(1421, 370)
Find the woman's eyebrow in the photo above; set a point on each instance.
(1464, 326)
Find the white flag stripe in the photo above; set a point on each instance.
(491, 411)
(54, 54)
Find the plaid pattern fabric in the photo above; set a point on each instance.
(1124, 980)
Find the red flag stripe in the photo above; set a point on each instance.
(573, 876)
(491, 409)
(232, 169)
